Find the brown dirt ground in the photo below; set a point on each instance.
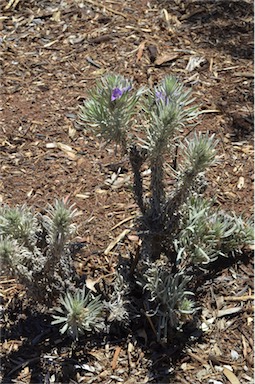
(51, 54)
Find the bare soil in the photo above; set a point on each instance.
(52, 53)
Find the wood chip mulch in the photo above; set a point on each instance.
(51, 54)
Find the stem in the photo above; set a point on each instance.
(156, 186)
(173, 204)
(137, 158)
(151, 223)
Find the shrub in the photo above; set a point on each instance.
(176, 224)
(34, 247)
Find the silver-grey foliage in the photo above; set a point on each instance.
(168, 109)
(110, 108)
(118, 304)
(207, 233)
(168, 299)
(174, 221)
(19, 223)
(79, 312)
(34, 247)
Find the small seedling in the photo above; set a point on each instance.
(78, 313)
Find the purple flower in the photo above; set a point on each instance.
(125, 89)
(161, 96)
(118, 92)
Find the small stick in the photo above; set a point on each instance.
(239, 298)
(244, 347)
(150, 322)
(115, 357)
(249, 75)
(12, 3)
(116, 241)
(107, 8)
(194, 356)
(135, 261)
(122, 222)
(92, 62)
(7, 281)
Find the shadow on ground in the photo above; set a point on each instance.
(47, 354)
(225, 25)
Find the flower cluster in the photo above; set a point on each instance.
(118, 92)
(110, 109)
